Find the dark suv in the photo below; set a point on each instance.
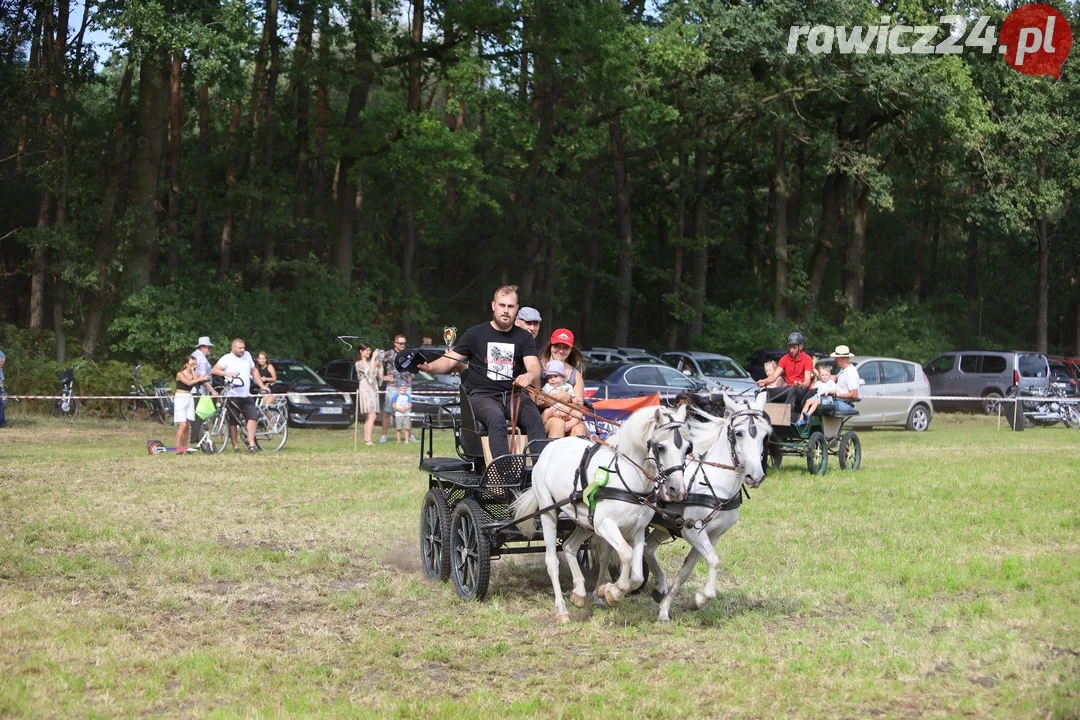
(985, 374)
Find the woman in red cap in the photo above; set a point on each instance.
(561, 347)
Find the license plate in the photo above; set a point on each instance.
(330, 410)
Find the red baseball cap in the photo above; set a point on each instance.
(562, 336)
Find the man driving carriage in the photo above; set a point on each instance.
(797, 369)
(497, 356)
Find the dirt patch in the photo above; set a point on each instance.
(403, 556)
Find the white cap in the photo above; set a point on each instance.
(204, 340)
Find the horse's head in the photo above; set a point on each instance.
(748, 430)
(668, 445)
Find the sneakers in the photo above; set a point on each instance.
(412, 438)
(382, 440)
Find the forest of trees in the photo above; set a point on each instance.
(650, 173)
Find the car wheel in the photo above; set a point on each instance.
(918, 420)
(991, 400)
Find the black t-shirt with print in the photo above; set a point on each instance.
(495, 358)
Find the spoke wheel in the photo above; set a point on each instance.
(850, 451)
(990, 402)
(1071, 416)
(69, 411)
(135, 409)
(470, 551)
(817, 454)
(435, 535)
(164, 406)
(219, 433)
(918, 419)
(776, 456)
(272, 433)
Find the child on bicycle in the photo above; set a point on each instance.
(402, 404)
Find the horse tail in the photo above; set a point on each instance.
(524, 508)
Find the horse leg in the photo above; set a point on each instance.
(708, 593)
(637, 574)
(660, 580)
(608, 529)
(570, 551)
(602, 555)
(684, 573)
(551, 559)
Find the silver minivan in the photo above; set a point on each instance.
(984, 374)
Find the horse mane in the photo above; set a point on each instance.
(631, 437)
(705, 430)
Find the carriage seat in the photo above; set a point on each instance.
(833, 411)
(437, 465)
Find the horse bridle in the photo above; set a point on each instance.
(654, 450)
(748, 412)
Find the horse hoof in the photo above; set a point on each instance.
(601, 589)
(663, 619)
(578, 600)
(612, 596)
(658, 596)
(562, 618)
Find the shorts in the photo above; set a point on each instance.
(402, 420)
(826, 401)
(244, 407)
(183, 408)
(388, 401)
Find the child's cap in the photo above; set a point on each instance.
(554, 367)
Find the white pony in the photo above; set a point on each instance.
(736, 442)
(647, 453)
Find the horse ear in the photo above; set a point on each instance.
(728, 403)
(759, 401)
(680, 414)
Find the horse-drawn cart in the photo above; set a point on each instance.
(822, 436)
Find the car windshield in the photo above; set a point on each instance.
(297, 374)
(722, 368)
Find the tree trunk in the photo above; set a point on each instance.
(971, 288)
(625, 285)
(322, 123)
(855, 258)
(779, 218)
(413, 105)
(198, 242)
(750, 232)
(153, 100)
(176, 119)
(269, 110)
(103, 242)
(228, 226)
(699, 273)
(59, 293)
(301, 92)
(680, 241)
(348, 191)
(929, 208)
(1043, 285)
(592, 255)
(832, 198)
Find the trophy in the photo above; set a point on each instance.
(449, 335)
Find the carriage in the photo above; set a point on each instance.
(822, 436)
(465, 516)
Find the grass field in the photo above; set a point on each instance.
(941, 580)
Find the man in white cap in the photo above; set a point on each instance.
(528, 318)
(202, 368)
(847, 380)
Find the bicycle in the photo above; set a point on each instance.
(67, 406)
(272, 427)
(143, 405)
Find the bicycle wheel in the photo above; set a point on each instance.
(163, 406)
(271, 434)
(135, 408)
(219, 432)
(67, 408)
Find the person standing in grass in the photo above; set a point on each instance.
(184, 402)
(3, 392)
(367, 389)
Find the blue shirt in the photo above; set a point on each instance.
(202, 367)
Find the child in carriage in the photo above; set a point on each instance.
(826, 392)
(555, 383)
(770, 368)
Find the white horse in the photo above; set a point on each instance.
(646, 454)
(735, 442)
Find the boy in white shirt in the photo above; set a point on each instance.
(826, 391)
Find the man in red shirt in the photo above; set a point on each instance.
(798, 370)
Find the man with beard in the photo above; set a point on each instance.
(498, 355)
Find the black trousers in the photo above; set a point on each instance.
(793, 396)
(494, 412)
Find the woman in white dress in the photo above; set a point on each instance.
(368, 372)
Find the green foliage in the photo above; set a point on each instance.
(162, 324)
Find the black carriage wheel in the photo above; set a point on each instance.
(817, 454)
(850, 451)
(435, 535)
(470, 551)
(776, 455)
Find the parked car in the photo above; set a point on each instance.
(430, 396)
(627, 380)
(719, 371)
(294, 381)
(985, 374)
(755, 364)
(881, 377)
(620, 355)
(1063, 376)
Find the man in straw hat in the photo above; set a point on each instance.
(847, 380)
(202, 368)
